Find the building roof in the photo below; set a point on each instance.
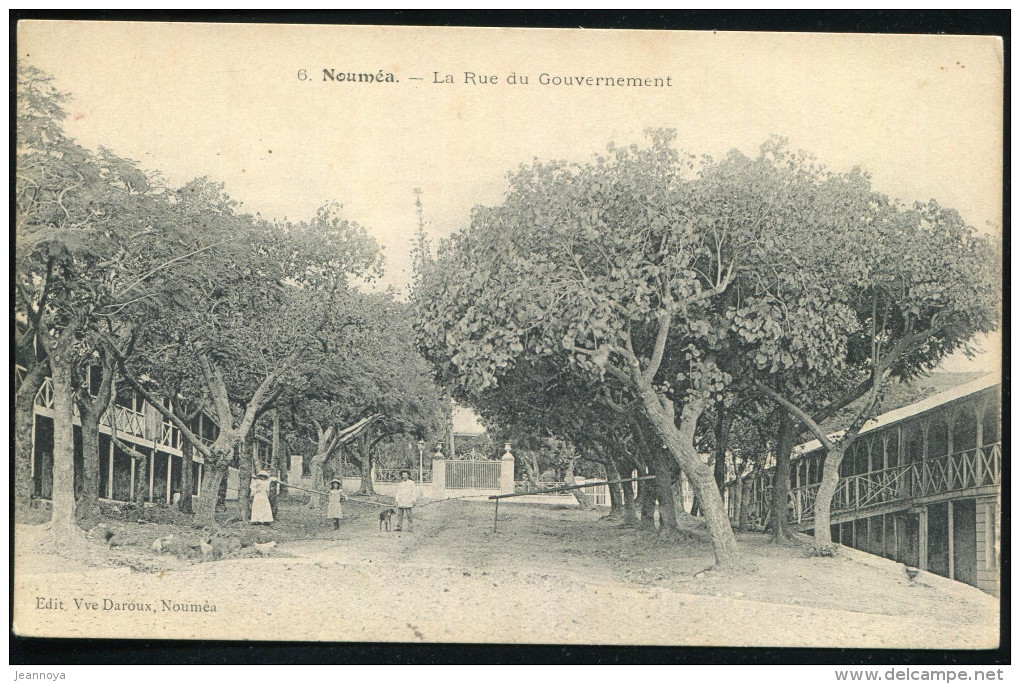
(911, 410)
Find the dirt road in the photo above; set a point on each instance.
(549, 575)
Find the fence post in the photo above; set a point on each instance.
(439, 478)
(506, 472)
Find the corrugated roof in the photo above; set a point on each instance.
(904, 412)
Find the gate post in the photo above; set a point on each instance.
(439, 478)
(506, 471)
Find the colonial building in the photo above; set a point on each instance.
(920, 485)
(139, 425)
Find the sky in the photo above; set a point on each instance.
(923, 114)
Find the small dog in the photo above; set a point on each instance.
(385, 518)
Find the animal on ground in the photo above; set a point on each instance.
(386, 519)
(162, 544)
(209, 551)
(264, 549)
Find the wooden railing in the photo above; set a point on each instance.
(125, 420)
(44, 397)
(963, 470)
(169, 435)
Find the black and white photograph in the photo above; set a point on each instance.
(465, 335)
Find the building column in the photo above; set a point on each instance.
(152, 475)
(439, 478)
(896, 537)
(922, 538)
(296, 467)
(952, 555)
(506, 471)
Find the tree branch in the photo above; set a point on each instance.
(799, 413)
(665, 320)
(151, 272)
(158, 405)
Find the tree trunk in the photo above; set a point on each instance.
(695, 506)
(723, 423)
(532, 468)
(24, 424)
(823, 503)
(785, 440)
(583, 500)
(212, 477)
(91, 410)
(615, 492)
(63, 516)
(245, 467)
(87, 511)
(367, 486)
(277, 462)
(648, 489)
(142, 479)
(646, 497)
(315, 467)
(664, 492)
(187, 477)
(745, 497)
(680, 442)
(630, 518)
(215, 469)
(738, 503)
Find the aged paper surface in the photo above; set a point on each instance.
(291, 117)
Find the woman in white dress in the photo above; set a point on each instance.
(261, 511)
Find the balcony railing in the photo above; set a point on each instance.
(125, 420)
(963, 470)
(44, 397)
(169, 435)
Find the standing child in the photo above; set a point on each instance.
(335, 511)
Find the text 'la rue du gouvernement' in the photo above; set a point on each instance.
(472, 78)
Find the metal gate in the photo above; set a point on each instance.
(472, 474)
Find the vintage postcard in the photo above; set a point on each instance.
(523, 336)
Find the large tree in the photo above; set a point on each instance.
(615, 266)
(914, 285)
(254, 307)
(87, 237)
